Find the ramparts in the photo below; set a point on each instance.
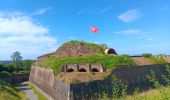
(56, 89)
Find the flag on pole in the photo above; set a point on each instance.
(94, 29)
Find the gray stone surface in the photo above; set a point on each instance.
(29, 92)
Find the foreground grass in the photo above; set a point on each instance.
(39, 95)
(109, 61)
(9, 92)
(162, 93)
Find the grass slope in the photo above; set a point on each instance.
(108, 61)
(153, 94)
(98, 48)
(9, 92)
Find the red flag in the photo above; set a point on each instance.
(94, 29)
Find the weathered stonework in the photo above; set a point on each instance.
(83, 68)
(56, 89)
(79, 49)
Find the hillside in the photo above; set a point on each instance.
(9, 92)
(76, 48)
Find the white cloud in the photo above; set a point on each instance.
(129, 16)
(149, 38)
(106, 9)
(19, 32)
(41, 11)
(87, 10)
(129, 32)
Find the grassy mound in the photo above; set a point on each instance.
(99, 49)
(108, 61)
(8, 92)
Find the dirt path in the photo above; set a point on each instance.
(29, 92)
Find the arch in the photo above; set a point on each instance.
(70, 70)
(110, 51)
(95, 70)
(82, 70)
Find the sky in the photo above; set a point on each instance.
(37, 27)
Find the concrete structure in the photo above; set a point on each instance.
(83, 68)
(56, 89)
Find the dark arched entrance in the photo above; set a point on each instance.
(70, 70)
(111, 51)
(82, 70)
(95, 70)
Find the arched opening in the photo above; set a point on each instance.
(82, 70)
(95, 70)
(70, 70)
(111, 51)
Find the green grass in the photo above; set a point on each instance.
(109, 61)
(162, 93)
(39, 95)
(9, 92)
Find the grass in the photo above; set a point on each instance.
(9, 92)
(109, 61)
(162, 93)
(99, 48)
(39, 95)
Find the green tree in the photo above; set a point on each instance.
(17, 60)
(27, 64)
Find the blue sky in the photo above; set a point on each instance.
(36, 27)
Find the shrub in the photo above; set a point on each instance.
(146, 55)
(5, 74)
(159, 60)
(152, 78)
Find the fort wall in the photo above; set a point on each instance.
(45, 80)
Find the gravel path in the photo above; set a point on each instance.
(29, 92)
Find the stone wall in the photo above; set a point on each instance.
(44, 79)
(58, 90)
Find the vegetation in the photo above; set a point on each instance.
(16, 60)
(5, 74)
(108, 61)
(98, 48)
(39, 95)
(18, 66)
(147, 55)
(158, 60)
(161, 92)
(155, 59)
(9, 92)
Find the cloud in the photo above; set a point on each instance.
(20, 32)
(149, 38)
(41, 11)
(129, 16)
(85, 11)
(129, 32)
(72, 38)
(106, 9)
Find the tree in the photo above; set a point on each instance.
(27, 64)
(16, 60)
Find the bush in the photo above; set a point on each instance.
(5, 74)
(153, 79)
(159, 60)
(147, 55)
